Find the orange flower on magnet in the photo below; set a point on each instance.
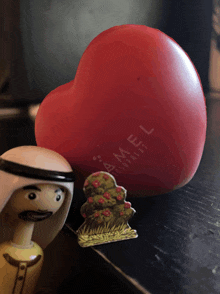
(107, 212)
(101, 200)
(118, 189)
(107, 195)
(106, 177)
(90, 200)
(119, 197)
(127, 205)
(96, 174)
(86, 183)
(96, 183)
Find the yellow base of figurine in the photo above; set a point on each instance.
(19, 268)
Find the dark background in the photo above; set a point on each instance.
(177, 250)
(43, 41)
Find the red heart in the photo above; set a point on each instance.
(135, 109)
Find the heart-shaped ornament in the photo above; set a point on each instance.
(135, 109)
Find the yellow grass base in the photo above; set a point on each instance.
(88, 237)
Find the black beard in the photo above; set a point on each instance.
(34, 216)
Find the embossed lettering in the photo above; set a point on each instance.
(109, 167)
(145, 131)
(132, 140)
(123, 152)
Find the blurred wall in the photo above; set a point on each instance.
(189, 23)
(214, 72)
(53, 35)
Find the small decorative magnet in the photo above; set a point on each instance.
(106, 212)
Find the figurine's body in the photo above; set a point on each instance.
(34, 204)
(20, 268)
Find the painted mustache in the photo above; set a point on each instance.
(34, 216)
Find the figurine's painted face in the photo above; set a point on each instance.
(37, 202)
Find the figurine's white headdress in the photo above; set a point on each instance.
(29, 165)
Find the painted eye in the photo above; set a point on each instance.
(58, 197)
(32, 196)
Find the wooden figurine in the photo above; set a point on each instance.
(106, 212)
(36, 193)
